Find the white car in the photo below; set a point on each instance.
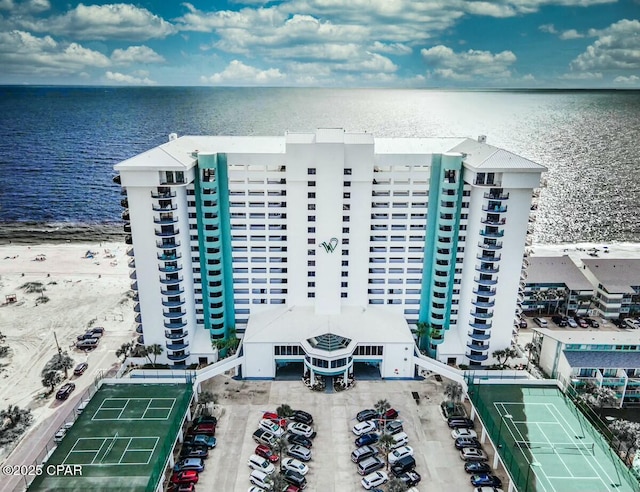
(260, 480)
(461, 432)
(487, 489)
(272, 427)
(399, 453)
(572, 323)
(259, 463)
(295, 465)
(301, 429)
(253, 488)
(364, 427)
(374, 479)
(62, 432)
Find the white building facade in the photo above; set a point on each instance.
(257, 234)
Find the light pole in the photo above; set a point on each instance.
(531, 465)
(502, 418)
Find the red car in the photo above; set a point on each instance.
(292, 488)
(391, 414)
(207, 429)
(187, 476)
(182, 487)
(282, 422)
(266, 453)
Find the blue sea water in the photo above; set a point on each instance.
(58, 145)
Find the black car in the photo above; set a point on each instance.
(559, 320)
(403, 465)
(64, 392)
(303, 417)
(305, 442)
(477, 467)
(460, 422)
(205, 419)
(80, 368)
(467, 442)
(410, 478)
(367, 414)
(592, 323)
(294, 478)
(194, 451)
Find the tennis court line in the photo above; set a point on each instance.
(544, 434)
(104, 441)
(590, 461)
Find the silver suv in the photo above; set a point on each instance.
(362, 453)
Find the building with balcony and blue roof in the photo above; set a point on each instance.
(327, 249)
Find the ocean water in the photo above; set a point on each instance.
(58, 145)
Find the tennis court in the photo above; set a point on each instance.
(545, 443)
(121, 440)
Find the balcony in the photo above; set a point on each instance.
(479, 336)
(167, 245)
(178, 357)
(489, 259)
(128, 239)
(172, 325)
(127, 227)
(172, 257)
(165, 220)
(173, 315)
(134, 286)
(133, 275)
(172, 233)
(171, 281)
(176, 335)
(485, 281)
(478, 347)
(175, 292)
(169, 269)
(174, 303)
(164, 207)
(124, 203)
(490, 246)
(487, 269)
(163, 194)
(476, 357)
(132, 263)
(494, 221)
(489, 182)
(138, 318)
(477, 314)
(136, 307)
(139, 328)
(116, 179)
(484, 304)
(176, 346)
(495, 209)
(499, 233)
(125, 215)
(485, 293)
(497, 196)
(480, 326)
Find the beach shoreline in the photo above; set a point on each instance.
(59, 232)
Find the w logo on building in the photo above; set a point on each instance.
(331, 245)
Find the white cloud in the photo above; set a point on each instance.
(102, 22)
(237, 73)
(27, 7)
(571, 34)
(468, 65)
(391, 48)
(121, 78)
(136, 54)
(23, 53)
(550, 28)
(491, 9)
(582, 76)
(631, 79)
(617, 48)
(529, 77)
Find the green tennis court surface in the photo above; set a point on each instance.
(121, 440)
(546, 443)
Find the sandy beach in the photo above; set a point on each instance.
(81, 290)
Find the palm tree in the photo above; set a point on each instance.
(156, 349)
(532, 351)
(386, 442)
(279, 446)
(507, 354)
(277, 482)
(421, 330)
(59, 362)
(51, 379)
(124, 350)
(454, 392)
(396, 485)
(381, 407)
(284, 410)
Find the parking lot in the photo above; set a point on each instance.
(242, 403)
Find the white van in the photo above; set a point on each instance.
(259, 463)
(400, 439)
(260, 479)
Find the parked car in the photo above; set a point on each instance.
(301, 429)
(80, 368)
(572, 323)
(59, 436)
(363, 453)
(82, 406)
(523, 323)
(301, 440)
(282, 422)
(262, 436)
(295, 465)
(65, 390)
(367, 414)
(487, 489)
(393, 427)
(473, 454)
(266, 452)
(272, 427)
(204, 428)
(256, 462)
(364, 427)
(559, 320)
(187, 476)
(299, 452)
(181, 487)
(399, 439)
(365, 439)
(592, 322)
(303, 417)
(194, 451)
(541, 322)
(458, 422)
(205, 419)
(399, 453)
(485, 479)
(581, 322)
(390, 414)
(374, 479)
(403, 465)
(295, 478)
(410, 478)
(87, 344)
(260, 479)
(467, 442)
(201, 439)
(85, 336)
(477, 467)
(369, 465)
(463, 432)
(189, 464)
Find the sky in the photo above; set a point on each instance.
(323, 43)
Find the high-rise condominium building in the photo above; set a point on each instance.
(327, 248)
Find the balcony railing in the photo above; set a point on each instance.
(167, 245)
(490, 246)
(172, 335)
(499, 233)
(476, 357)
(481, 348)
(497, 196)
(163, 194)
(489, 259)
(168, 292)
(174, 324)
(175, 232)
(174, 303)
(486, 293)
(480, 315)
(484, 304)
(480, 326)
(171, 281)
(178, 357)
(486, 269)
(173, 315)
(479, 336)
(485, 281)
(176, 346)
(164, 257)
(494, 209)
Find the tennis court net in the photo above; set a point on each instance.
(558, 448)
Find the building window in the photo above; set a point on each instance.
(311, 183)
(311, 170)
(311, 194)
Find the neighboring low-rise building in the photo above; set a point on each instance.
(555, 284)
(618, 286)
(603, 357)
